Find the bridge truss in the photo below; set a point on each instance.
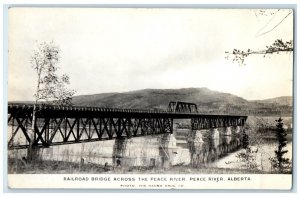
(177, 106)
(57, 125)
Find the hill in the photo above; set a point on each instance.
(283, 100)
(208, 101)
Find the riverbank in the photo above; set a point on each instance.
(228, 164)
(62, 167)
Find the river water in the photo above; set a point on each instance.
(215, 148)
(181, 148)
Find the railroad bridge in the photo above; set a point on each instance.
(57, 125)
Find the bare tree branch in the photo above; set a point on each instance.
(238, 56)
(275, 25)
(273, 16)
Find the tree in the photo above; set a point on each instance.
(279, 162)
(245, 140)
(247, 156)
(278, 46)
(50, 87)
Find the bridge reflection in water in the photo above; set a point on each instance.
(209, 146)
(183, 147)
(197, 149)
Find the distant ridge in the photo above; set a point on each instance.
(208, 101)
(282, 100)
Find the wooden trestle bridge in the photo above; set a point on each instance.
(57, 125)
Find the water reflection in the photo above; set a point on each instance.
(184, 147)
(206, 146)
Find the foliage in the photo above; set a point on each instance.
(238, 56)
(50, 86)
(248, 158)
(263, 126)
(279, 162)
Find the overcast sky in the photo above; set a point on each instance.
(117, 50)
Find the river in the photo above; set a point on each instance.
(205, 148)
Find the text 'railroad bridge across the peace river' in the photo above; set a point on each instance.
(58, 125)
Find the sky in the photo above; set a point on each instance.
(123, 49)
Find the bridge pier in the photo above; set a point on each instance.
(167, 143)
(33, 154)
(207, 145)
(197, 136)
(235, 130)
(214, 141)
(197, 148)
(119, 150)
(214, 133)
(227, 131)
(238, 129)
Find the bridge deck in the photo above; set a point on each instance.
(81, 111)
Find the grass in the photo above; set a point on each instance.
(53, 167)
(63, 167)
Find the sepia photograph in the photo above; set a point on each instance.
(150, 98)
